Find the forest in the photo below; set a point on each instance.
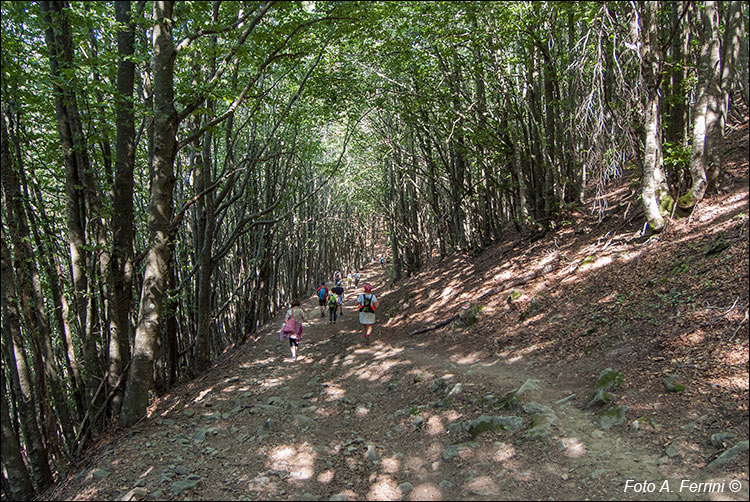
(175, 173)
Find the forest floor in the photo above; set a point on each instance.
(495, 404)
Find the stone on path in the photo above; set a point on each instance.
(100, 473)
(405, 487)
(728, 455)
(718, 439)
(614, 415)
(455, 450)
(180, 486)
(671, 384)
(455, 390)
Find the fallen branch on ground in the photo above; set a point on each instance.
(435, 326)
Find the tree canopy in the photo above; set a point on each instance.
(174, 173)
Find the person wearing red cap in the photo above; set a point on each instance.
(368, 303)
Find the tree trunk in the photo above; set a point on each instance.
(50, 263)
(706, 114)
(160, 212)
(86, 228)
(21, 375)
(206, 227)
(18, 476)
(675, 109)
(714, 122)
(31, 290)
(653, 180)
(522, 215)
(122, 219)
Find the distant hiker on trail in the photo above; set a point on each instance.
(292, 328)
(333, 306)
(349, 280)
(368, 303)
(337, 277)
(356, 279)
(339, 290)
(322, 293)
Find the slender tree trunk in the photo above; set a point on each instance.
(21, 375)
(74, 198)
(205, 233)
(676, 103)
(551, 176)
(705, 116)
(31, 290)
(523, 208)
(47, 256)
(160, 212)
(733, 35)
(18, 476)
(653, 180)
(714, 121)
(122, 220)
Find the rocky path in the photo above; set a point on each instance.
(392, 420)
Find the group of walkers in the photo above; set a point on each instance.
(333, 300)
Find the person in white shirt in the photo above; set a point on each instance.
(368, 304)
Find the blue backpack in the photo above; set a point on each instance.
(322, 293)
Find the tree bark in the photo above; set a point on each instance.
(21, 376)
(29, 283)
(653, 180)
(122, 219)
(676, 103)
(18, 476)
(733, 35)
(705, 116)
(158, 258)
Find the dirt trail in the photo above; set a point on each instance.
(349, 421)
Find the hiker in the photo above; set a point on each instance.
(333, 306)
(349, 280)
(337, 277)
(292, 328)
(368, 303)
(339, 290)
(322, 294)
(356, 279)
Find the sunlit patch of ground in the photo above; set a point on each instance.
(426, 491)
(390, 465)
(574, 447)
(502, 452)
(334, 392)
(298, 461)
(384, 488)
(326, 476)
(482, 485)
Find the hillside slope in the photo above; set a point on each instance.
(494, 405)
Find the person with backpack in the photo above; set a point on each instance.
(339, 290)
(356, 279)
(322, 293)
(292, 328)
(368, 303)
(333, 305)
